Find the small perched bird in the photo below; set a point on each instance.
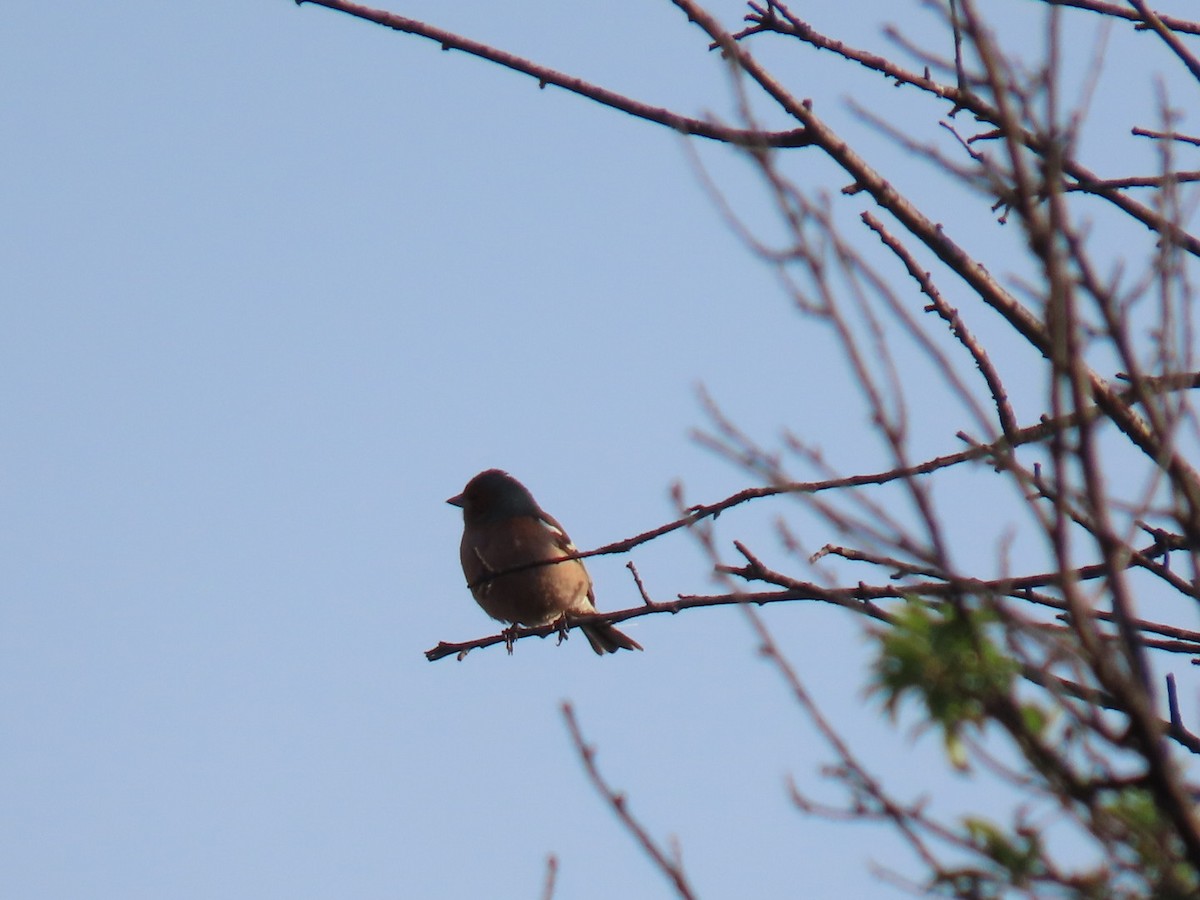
(505, 535)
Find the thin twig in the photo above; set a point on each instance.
(671, 869)
(551, 877)
(637, 579)
(1008, 420)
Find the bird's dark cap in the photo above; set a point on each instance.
(486, 481)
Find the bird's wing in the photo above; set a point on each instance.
(561, 539)
(564, 543)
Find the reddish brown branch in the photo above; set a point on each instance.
(1008, 420)
(671, 868)
(1134, 181)
(551, 877)
(547, 76)
(1159, 26)
(1167, 136)
(637, 579)
(1027, 435)
(861, 599)
(1117, 11)
(782, 21)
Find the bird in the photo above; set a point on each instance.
(505, 537)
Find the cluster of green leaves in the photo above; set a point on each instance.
(1145, 845)
(949, 660)
(942, 656)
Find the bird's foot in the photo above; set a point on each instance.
(563, 626)
(510, 638)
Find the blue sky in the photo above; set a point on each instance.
(277, 283)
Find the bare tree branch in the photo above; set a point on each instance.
(547, 76)
(672, 869)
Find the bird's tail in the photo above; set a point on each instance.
(604, 638)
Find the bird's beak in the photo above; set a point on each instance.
(456, 500)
